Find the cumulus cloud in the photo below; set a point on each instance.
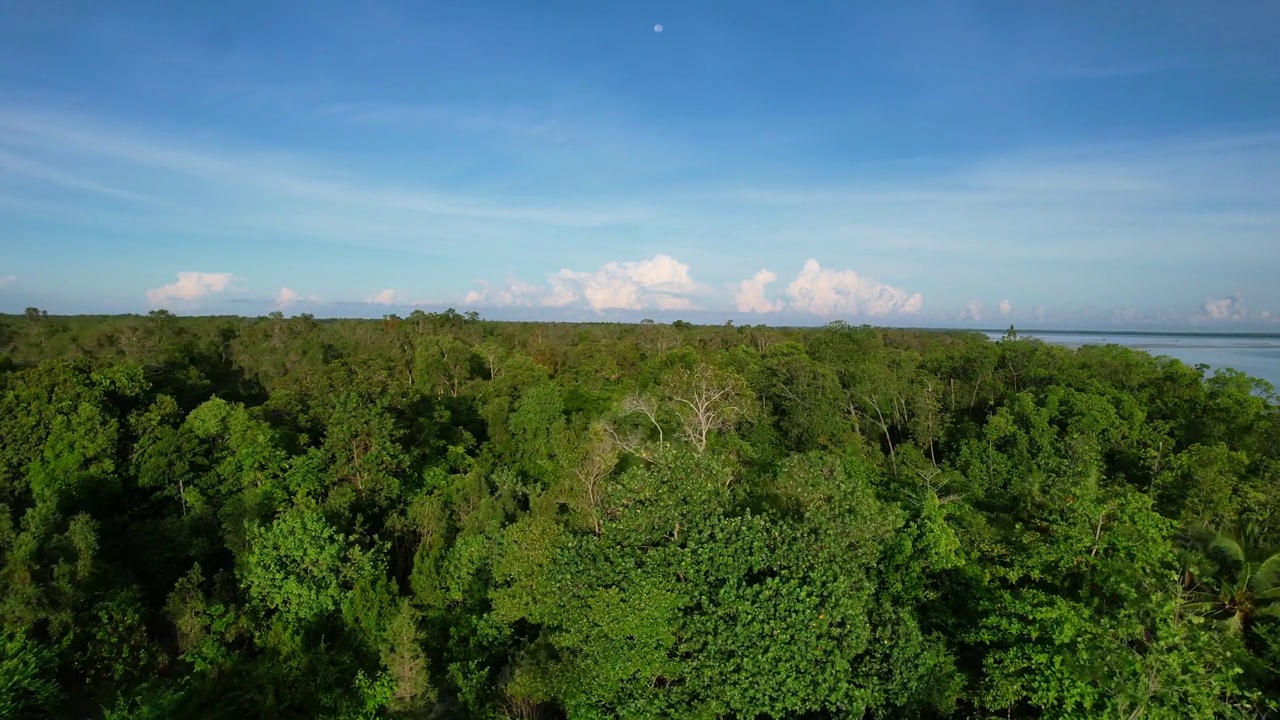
(661, 283)
(831, 292)
(385, 297)
(1006, 307)
(190, 286)
(658, 283)
(749, 296)
(972, 310)
(288, 297)
(664, 283)
(7, 280)
(562, 293)
(1227, 308)
(514, 293)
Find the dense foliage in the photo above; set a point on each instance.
(439, 516)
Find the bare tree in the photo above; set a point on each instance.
(646, 405)
(879, 421)
(760, 337)
(659, 338)
(631, 441)
(597, 456)
(706, 400)
(493, 356)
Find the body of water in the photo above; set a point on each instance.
(1256, 356)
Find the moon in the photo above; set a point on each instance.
(657, 28)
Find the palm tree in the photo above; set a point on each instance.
(1239, 587)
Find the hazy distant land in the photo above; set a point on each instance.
(1257, 354)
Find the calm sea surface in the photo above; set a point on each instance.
(1256, 356)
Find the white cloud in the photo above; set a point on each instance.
(972, 310)
(664, 283)
(1227, 308)
(658, 283)
(1106, 203)
(1039, 313)
(190, 286)
(8, 280)
(515, 293)
(749, 296)
(288, 296)
(561, 292)
(1006, 307)
(385, 297)
(831, 292)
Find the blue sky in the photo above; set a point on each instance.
(929, 163)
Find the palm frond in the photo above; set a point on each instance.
(1272, 594)
(1225, 550)
(1268, 611)
(1200, 607)
(1197, 536)
(1266, 576)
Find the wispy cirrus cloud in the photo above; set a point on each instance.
(1105, 204)
(934, 225)
(507, 122)
(246, 177)
(1135, 68)
(7, 280)
(16, 165)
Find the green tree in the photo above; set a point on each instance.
(804, 399)
(301, 567)
(1238, 588)
(27, 684)
(1086, 619)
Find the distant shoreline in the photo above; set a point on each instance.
(1139, 333)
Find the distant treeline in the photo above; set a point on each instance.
(439, 516)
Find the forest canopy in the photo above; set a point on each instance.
(440, 516)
